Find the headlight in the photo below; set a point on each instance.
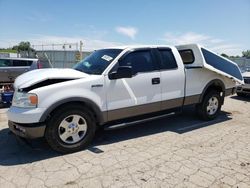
(24, 100)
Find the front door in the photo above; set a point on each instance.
(138, 95)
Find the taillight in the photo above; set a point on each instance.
(39, 65)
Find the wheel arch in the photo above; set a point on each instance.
(99, 115)
(215, 84)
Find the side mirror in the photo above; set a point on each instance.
(122, 72)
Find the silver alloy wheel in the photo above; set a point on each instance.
(72, 129)
(213, 105)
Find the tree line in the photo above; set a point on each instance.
(245, 54)
(26, 46)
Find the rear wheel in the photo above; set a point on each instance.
(210, 106)
(70, 129)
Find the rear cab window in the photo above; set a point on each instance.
(167, 59)
(187, 56)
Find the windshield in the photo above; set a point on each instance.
(98, 61)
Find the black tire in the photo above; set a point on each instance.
(52, 134)
(241, 94)
(202, 110)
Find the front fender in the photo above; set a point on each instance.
(80, 90)
(101, 116)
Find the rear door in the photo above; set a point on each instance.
(172, 78)
(138, 95)
(19, 67)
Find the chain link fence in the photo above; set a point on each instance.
(64, 55)
(63, 59)
(243, 63)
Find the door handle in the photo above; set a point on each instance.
(155, 81)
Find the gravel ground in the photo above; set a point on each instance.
(179, 151)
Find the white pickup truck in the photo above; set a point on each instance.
(116, 87)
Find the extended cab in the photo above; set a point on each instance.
(116, 87)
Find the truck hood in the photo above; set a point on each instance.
(37, 76)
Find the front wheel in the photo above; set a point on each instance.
(70, 129)
(210, 106)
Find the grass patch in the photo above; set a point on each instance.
(7, 51)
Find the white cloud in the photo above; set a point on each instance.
(215, 44)
(48, 40)
(127, 31)
(38, 16)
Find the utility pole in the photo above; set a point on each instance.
(81, 44)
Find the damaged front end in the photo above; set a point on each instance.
(24, 84)
(43, 83)
(43, 77)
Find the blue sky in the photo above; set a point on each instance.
(221, 25)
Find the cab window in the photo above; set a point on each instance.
(140, 61)
(167, 59)
(187, 56)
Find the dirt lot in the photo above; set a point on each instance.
(179, 151)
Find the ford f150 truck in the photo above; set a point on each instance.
(116, 87)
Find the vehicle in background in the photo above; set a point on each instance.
(11, 68)
(244, 90)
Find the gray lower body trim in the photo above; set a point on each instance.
(193, 99)
(173, 103)
(144, 109)
(150, 108)
(133, 111)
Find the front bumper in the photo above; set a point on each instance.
(243, 89)
(30, 131)
(25, 115)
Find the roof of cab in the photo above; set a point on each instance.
(139, 46)
(18, 58)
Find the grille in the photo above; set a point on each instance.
(247, 80)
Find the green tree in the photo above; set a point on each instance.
(23, 46)
(237, 56)
(246, 54)
(224, 55)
